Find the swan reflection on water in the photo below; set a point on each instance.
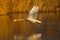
(32, 37)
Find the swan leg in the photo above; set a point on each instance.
(38, 21)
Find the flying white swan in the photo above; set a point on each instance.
(32, 15)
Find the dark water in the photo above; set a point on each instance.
(49, 28)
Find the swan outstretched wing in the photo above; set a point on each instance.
(33, 12)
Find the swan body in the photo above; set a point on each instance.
(32, 15)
